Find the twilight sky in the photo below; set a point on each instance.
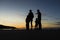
(14, 12)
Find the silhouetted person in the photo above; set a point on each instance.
(27, 22)
(36, 23)
(29, 19)
(38, 19)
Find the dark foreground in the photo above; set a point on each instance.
(14, 33)
(29, 34)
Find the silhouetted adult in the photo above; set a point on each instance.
(29, 19)
(38, 20)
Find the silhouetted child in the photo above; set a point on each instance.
(27, 22)
(36, 23)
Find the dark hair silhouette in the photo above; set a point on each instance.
(29, 19)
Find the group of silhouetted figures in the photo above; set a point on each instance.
(29, 19)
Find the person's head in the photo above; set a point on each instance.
(30, 10)
(38, 10)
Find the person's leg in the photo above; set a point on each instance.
(31, 24)
(27, 24)
(39, 26)
(36, 25)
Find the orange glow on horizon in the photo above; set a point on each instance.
(23, 24)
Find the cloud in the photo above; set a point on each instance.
(44, 19)
(57, 23)
(57, 18)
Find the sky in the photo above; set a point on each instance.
(14, 12)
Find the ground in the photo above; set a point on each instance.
(29, 34)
